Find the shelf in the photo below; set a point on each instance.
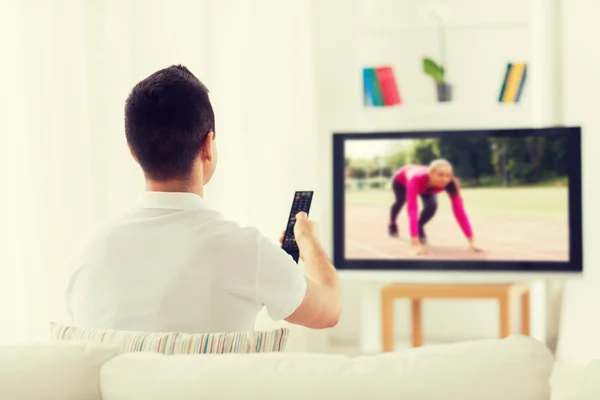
(442, 116)
(398, 29)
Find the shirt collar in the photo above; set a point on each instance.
(171, 200)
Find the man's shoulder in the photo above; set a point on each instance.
(205, 222)
(231, 233)
(88, 244)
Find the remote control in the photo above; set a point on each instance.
(302, 201)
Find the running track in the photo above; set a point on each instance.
(506, 237)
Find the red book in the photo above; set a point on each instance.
(387, 83)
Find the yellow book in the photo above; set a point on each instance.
(513, 83)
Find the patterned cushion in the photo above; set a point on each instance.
(177, 343)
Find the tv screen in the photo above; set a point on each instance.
(487, 200)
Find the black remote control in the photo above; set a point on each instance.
(302, 201)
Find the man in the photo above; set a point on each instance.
(174, 264)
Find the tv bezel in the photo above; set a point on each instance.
(574, 265)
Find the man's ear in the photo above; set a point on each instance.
(133, 155)
(207, 147)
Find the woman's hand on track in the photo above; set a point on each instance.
(418, 250)
(473, 247)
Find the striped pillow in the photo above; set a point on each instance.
(177, 343)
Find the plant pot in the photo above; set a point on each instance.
(444, 92)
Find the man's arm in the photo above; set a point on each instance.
(311, 299)
(322, 304)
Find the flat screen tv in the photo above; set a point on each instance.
(470, 200)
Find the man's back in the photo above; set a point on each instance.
(173, 264)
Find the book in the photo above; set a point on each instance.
(387, 84)
(372, 91)
(523, 79)
(513, 84)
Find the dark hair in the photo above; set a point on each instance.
(167, 118)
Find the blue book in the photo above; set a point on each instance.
(372, 91)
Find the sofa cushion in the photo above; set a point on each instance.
(178, 343)
(517, 368)
(53, 370)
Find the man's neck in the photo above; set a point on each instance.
(175, 186)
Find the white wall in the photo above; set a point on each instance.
(68, 67)
(486, 35)
(580, 322)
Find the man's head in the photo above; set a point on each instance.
(170, 125)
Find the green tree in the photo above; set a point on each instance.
(359, 173)
(362, 168)
(470, 157)
(522, 159)
(536, 146)
(424, 152)
(500, 159)
(555, 160)
(397, 160)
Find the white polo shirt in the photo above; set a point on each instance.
(172, 264)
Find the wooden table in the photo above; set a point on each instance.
(504, 293)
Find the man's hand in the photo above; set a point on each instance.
(281, 238)
(304, 228)
(305, 232)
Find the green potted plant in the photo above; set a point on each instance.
(437, 72)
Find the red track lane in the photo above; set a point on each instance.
(503, 238)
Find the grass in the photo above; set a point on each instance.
(548, 203)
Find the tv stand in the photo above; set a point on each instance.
(371, 282)
(504, 293)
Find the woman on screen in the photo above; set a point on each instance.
(426, 181)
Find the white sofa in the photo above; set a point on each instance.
(517, 368)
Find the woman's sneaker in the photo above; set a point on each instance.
(393, 230)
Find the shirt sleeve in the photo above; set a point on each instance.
(281, 285)
(69, 300)
(458, 208)
(76, 265)
(412, 206)
(460, 214)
